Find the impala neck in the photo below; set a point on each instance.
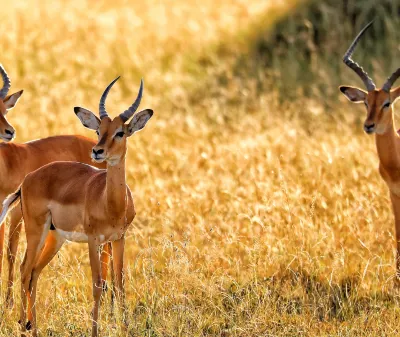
(116, 188)
(387, 144)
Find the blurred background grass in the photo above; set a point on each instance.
(260, 208)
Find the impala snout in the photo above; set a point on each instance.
(98, 154)
(369, 127)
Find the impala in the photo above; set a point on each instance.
(82, 204)
(17, 160)
(380, 121)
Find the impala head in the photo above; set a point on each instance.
(7, 102)
(112, 133)
(378, 102)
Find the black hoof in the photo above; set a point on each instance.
(105, 286)
(28, 325)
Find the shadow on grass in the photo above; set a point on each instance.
(298, 52)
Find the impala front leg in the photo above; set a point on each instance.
(105, 259)
(2, 233)
(96, 281)
(118, 247)
(2, 230)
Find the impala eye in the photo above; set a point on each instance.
(119, 134)
(386, 105)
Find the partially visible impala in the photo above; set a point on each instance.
(82, 204)
(17, 160)
(380, 120)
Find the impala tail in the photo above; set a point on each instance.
(11, 201)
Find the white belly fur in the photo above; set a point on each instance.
(77, 236)
(73, 236)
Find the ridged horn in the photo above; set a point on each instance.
(132, 109)
(355, 66)
(6, 81)
(390, 81)
(102, 105)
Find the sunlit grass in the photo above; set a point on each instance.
(255, 216)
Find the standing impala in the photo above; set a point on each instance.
(380, 120)
(82, 203)
(17, 160)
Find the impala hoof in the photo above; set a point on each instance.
(28, 325)
(105, 287)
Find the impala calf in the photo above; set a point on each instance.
(380, 121)
(17, 160)
(82, 203)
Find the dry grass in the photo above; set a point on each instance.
(256, 217)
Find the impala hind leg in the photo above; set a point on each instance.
(36, 234)
(13, 238)
(96, 282)
(53, 243)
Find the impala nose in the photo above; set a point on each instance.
(97, 152)
(369, 128)
(9, 134)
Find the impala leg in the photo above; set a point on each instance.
(13, 238)
(112, 281)
(96, 282)
(35, 238)
(26, 275)
(118, 247)
(2, 230)
(105, 260)
(52, 245)
(2, 234)
(396, 211)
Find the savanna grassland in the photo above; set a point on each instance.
(260, 210)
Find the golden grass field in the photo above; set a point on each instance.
(256, 215)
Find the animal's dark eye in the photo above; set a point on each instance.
(119, 134)
(97, 132)
(386, 105)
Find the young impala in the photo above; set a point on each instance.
(380, 120)
(82, 203)
(17, 160)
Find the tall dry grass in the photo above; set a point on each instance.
(258, 215)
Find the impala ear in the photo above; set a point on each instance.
(394, 94)
(353, 94)
(87, 118)
(138, 121)
(11, 100)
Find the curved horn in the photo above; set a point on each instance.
(132, 109)
(355, 66)
(102, 105)
(390, 81)
(7, 83)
